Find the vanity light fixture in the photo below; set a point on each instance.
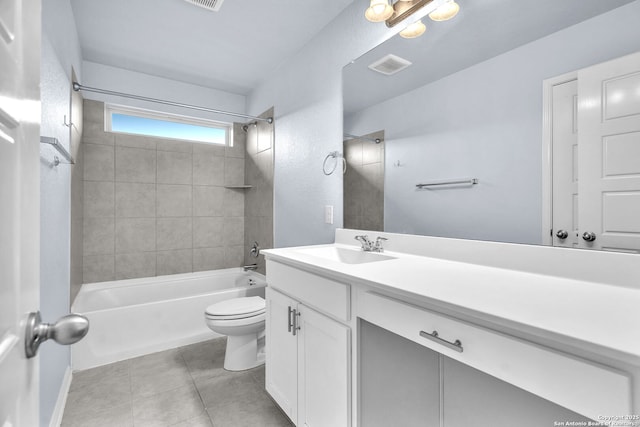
(446, 11)
(398, 11)
(414, 30)
(378, 11)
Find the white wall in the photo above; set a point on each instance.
(484, 122)
(60, 51)
(306, 93)
(131, 82)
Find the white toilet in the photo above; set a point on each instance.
(242, 320)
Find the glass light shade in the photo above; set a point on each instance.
(445, 12)
(414, 30)
(378, 11)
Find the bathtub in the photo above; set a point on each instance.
(130, 318)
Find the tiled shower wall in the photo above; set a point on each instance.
(364, 183)
(154, 206)
(259, 198)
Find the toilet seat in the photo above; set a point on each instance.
(236, 308)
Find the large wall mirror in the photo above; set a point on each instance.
(470, 110)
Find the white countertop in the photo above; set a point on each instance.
(589, 315)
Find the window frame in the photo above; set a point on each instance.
(110, 109)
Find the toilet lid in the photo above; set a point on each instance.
(245, 306)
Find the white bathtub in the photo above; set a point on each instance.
(130, 318)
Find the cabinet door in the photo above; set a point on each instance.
(281, 358)
(323, 371)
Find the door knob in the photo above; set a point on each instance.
(589, 236)
(562, 234)
(67, 330)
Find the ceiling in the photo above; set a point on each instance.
(232, 49)
(483, 29)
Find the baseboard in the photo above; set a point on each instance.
(58, 411)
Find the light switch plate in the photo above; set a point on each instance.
(328, 214)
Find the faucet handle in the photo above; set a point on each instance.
(379, 242)
(365, 242)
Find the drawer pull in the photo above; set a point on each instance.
(456, 345)
(290, 322)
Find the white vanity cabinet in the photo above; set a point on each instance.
(418, 339)
(308, 349)
(491, 363)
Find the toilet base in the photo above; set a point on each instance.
(244, 352)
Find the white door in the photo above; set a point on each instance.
(564, 119)
(19, 205)
(609, 129)
(323, 371)
(281, 370)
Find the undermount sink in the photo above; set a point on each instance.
(346, 256)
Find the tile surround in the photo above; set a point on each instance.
(259, 199)
(364, 183)
(154, 206)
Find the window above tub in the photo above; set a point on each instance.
(157, 124)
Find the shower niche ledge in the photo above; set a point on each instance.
(239, 186)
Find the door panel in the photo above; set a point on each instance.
(20, 210)
(565, 163)
(281, 358)
(323, 371)
(609, 173)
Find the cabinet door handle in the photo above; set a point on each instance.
(296, 313)
(456, 345)
(290, 322)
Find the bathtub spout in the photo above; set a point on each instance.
(252, 267)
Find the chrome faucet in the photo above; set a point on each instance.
(252, 267)
(369, 246)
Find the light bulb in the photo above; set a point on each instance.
(414, 30)
(445, 12)
(378, 11)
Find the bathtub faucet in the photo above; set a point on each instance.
(252, 267)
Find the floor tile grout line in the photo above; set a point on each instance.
(195, 385)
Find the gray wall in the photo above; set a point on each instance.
(364, 183)
(485, 122)
(154, 206)
(60, 52)
(259, 198)
(306, 92)
(54, 226)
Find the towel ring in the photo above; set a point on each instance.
(335, 155)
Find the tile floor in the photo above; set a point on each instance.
(183, 387)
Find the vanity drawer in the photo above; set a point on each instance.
(587, 388)
(318, 292)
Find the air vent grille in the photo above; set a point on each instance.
(212, 5)
(389, 64)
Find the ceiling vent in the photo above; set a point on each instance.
(389, 65)
(212, 5)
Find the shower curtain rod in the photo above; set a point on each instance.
(376, 140)
(78, 87)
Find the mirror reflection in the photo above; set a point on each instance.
(477, 103)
